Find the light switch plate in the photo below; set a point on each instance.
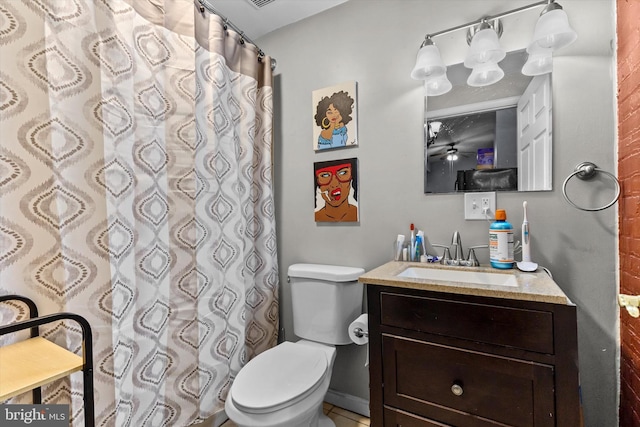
(476, 203)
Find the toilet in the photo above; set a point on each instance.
(286, 385)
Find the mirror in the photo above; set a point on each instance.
(492, 138)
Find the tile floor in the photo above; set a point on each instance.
(341, 417)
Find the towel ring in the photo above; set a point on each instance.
(586, 171)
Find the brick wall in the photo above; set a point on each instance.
(629, 205)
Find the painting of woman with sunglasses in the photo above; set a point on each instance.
(336, 184)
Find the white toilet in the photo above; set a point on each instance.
(286, 385)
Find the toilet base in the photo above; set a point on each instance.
(324, 421)
(315, 419)
(319, 419)
(305, 413)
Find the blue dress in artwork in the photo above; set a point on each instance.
(338, 139)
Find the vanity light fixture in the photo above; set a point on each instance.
(437, 85)
(430, 68)
(552, 32)
(484, 54)
(485, 74)
(428, 62)
(539, 61)
(484, 46)
(552, 29)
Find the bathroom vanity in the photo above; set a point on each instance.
(449, 350)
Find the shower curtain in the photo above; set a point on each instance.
(136, 191)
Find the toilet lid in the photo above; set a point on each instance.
(278, 377)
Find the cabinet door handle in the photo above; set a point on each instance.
(456, 389)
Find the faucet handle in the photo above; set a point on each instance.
(472, 254)
(446, 255)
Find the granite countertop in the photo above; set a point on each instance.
(534, 286)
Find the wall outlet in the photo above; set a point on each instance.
(479, 206)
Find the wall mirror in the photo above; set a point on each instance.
(492, 138)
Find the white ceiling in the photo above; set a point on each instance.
(256, 22)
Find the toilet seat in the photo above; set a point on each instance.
(278, 378)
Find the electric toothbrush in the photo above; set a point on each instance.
(526, 248)
(526, 264)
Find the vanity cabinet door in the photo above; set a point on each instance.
(396, 418)
(464, 388)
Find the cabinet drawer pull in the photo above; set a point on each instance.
(456, 389)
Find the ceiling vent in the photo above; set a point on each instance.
(260, 3)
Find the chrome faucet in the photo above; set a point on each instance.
(456, 241)
(458, 259)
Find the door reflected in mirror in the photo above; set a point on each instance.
(493, 138)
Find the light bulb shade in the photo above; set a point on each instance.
(428, 63)
(437, 86)
(485, 74)
(538, 63)
(553, 30)
(485, 47)
(435, 127)
(452, 157)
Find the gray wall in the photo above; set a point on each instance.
(375, 43)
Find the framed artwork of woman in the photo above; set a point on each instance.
(335, 121)
(336, 190)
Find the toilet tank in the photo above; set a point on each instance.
(326, 299)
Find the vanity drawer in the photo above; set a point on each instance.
(464, 388)
(530, 330)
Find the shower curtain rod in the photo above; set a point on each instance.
(204, 4)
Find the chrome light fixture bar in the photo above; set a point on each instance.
(552, 32)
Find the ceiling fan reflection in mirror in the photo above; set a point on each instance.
(452, 154)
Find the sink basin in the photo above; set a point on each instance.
(463, 276)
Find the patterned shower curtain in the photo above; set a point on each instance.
(136, 190)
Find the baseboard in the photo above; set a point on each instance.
(348, 402)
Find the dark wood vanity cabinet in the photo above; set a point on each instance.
(439, 359)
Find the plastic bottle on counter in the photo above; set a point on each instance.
(501, 241)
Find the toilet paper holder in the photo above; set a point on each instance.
(359, 332)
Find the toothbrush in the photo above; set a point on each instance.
(526, 248)
(416, 250)
(424, 247)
